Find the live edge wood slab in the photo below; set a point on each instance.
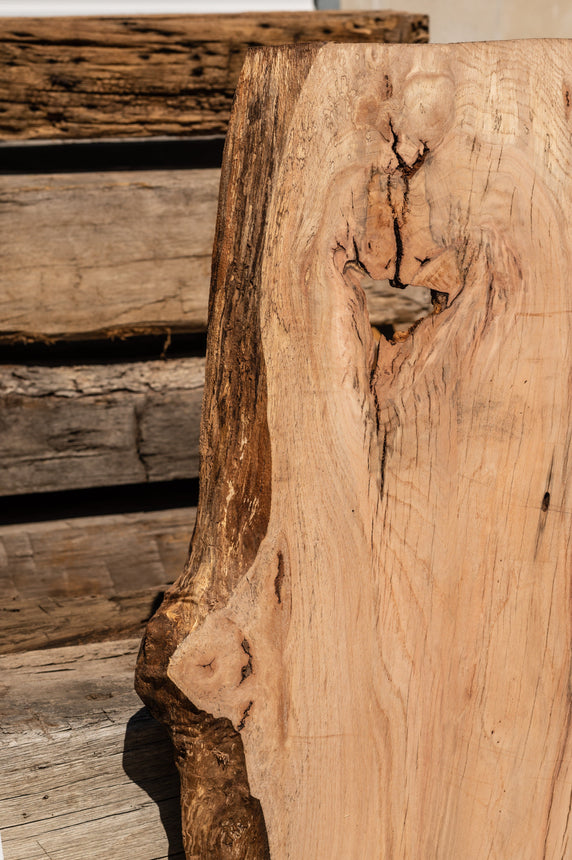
(374, 624)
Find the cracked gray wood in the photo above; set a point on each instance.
(99, 425)
(87, 579)
(85, 771)
(378, 593)
(100, 254)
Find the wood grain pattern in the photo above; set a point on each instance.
(28, 625)
(378, 594)
(100, 254)
(85, 771)
(87, 579)
(104, 555)
(153, 75)
(118, 254)
(99, 425)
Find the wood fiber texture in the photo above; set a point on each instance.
(86, 772)
(124, 253)
(87, 579)
(153, 75)
(102, 425)
(374, 625)
(102, 254)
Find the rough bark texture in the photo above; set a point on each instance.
(153, 75)
(376, 609)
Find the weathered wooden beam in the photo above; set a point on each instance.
(117, 254)
(27, 625)
(85, 771)
(153, 75)
(101, 425)
(100, 555)
(376, 609)
(105, 254)
(88, 579)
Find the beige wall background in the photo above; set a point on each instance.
(476, 20)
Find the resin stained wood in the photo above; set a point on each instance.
(377, 601)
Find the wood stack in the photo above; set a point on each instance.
(111, 145)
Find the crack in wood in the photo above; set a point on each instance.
(279, 578)
(245, 714)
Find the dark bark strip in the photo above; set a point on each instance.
(228, 821)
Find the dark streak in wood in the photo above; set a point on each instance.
(153, 75)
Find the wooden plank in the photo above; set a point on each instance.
(85, 771)
(87, 579)
(100, 555)
(50, 623)
(105, 254)
(101, 425)
(379, 590)
(153, 75)
(115, 254)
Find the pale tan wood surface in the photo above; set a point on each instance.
(100, 254)
(85, 772)
(91, 77)
(378, 594)
(92, 254)
(99, 425)
(87, 579)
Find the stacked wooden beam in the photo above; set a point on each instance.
(103, 258)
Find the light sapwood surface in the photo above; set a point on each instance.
(378, 594)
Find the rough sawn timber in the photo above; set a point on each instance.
(85, 770)
(90, 255)
(153, 75)
(66, 428)
(377, 601)
(106, 254)
(87, 579)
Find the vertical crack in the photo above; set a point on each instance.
(279, 578)
(246, 670)
(382, 465)
(245, 714)
(139, 440)
(406, 171)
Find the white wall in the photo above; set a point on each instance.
(145, 7)
(476, 20)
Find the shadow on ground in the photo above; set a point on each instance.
(148, 761)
